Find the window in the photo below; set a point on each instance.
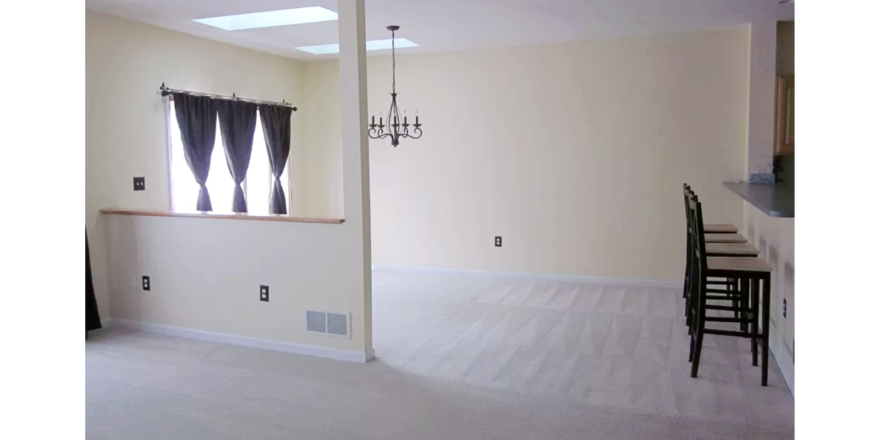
(257, 185)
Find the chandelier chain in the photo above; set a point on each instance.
(393, 66)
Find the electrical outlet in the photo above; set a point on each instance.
(497, 241)
(784, 308)
(140, 184)
(145, 282)
(264, 293)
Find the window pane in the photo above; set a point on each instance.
(285, 183)
(220, 184)
(259, 177)
(184, 189)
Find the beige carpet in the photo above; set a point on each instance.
(457, 357)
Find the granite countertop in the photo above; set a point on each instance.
(775, 200)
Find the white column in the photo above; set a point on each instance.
(762, 89)
(355, 152)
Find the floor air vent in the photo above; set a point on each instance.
(328, 323)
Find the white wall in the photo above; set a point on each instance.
(574, 153)
(205, 273)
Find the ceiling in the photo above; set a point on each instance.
(450, 25)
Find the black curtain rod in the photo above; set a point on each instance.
(166, 91)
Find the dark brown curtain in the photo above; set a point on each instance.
(93, 319)
(238, 120)
(276, 129)
(197, 119)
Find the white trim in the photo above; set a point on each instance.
(359, 357)
(525, 275)
(785, 369)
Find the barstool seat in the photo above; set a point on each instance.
(736, 264)
(724, 238)
(721, 228)
(731, 249)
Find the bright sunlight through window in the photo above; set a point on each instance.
(257, 186)
(370, 45)
(286, 17)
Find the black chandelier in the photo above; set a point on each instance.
(396, 130)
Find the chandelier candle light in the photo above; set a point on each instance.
(396, 130)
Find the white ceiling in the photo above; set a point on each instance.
(448, 25)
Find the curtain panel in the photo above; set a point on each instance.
(93, 320)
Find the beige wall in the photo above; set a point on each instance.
(205, 273)
(574, 153)
(761, 93)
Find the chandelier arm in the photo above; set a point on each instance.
(380, 135)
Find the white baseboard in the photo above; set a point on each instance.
(786, 368)
(244, 341)
(538, 276)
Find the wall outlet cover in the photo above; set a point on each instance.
(497, 241)
(140, 184)
(145, 282)
(264, 293)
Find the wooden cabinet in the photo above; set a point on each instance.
(784, 125)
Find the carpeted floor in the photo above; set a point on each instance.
(457, 357)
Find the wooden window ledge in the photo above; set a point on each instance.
(269, 218)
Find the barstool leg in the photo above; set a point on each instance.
(744, 298)
(698, 349)
(765, 331)
(697, 340)
(753, 306)
(691, 353)
(736, 299)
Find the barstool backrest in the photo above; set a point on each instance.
(698, 241)
(686, 190)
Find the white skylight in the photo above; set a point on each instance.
(312, 14)
(371, 45)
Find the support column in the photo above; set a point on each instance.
(355, 152)
(762, 91)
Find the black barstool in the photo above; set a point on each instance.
(725, 242)
(753, 277)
